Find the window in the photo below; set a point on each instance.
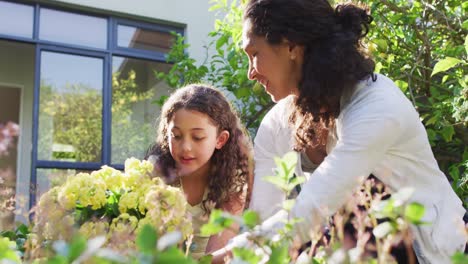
(70, 108)
(74, 29)
(144, 39)
(134, 92)
(95, 89)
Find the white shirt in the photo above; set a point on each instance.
(378, 131)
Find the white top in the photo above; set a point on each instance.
(199, 242)
(378, 131)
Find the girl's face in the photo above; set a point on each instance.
(277, 67)
(192, 141)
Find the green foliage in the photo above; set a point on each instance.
(397, 212)
(19, 236)
(388, 219)
(423, 46)
(218, 222)
(285, 179)
(8, 251)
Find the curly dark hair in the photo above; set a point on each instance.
(231, 165)
(335, 59)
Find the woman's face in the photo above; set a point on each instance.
(276, 67)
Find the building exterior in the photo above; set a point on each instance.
(78, 76)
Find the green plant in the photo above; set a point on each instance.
(19, 236)
(370, 211)
(108, 203)
(422, 45)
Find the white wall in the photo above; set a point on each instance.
(193, 13)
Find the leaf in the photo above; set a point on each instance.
(447, 133)
(246, 255)
(279, 254)
(147, 238)
(173, 255)
(77, 247)
(251, 218)
(217, 223)
(414, 212)
(383, 209)
(288, 204)
(460, 258)
(402, 85)
(445, 64)
(221, 41)
(205, 259)
(383, 229)
(275, 180)
(290, 158)
(296, 181)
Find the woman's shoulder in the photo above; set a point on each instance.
(280, 112)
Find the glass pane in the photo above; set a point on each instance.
(73, 28)
(138, 38)
(135, 91)
(16, 19)
(70, 108)
(49, 178)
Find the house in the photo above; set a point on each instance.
(78, 76)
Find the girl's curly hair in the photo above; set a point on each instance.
(231, 165)
(334, 56)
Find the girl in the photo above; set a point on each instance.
(202, 147)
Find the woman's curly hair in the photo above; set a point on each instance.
(231, 165)
(335, 59)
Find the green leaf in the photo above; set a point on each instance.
(246, 255)
(251, 218)
(288, 204)
(221, 41)
(445, 64)
(205, 259)
(432, 120)
(414, 212)
(77, 247)
(296, 181)
(383, 229)
(279, 254)
(290, 158)
(147, 239)
(277, 181)
(447, 133)
(217, 223)
(431, 135)
(381, 44)
(460, 258)
(173, 255)
(402, 85)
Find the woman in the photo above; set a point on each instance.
(344, 117)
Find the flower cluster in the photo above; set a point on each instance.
(111, 203)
